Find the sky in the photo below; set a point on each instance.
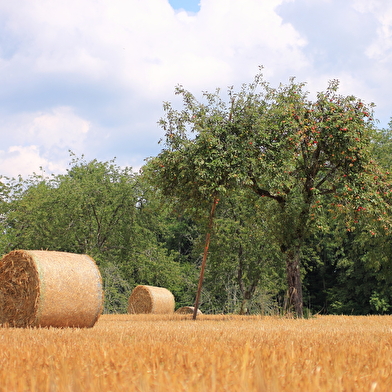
(91, 76)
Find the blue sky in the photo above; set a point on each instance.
(90, 76)
(187, 5)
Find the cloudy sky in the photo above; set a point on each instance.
(90, 76)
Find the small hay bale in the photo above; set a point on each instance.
(151, 299)
(188, 310)
(49, 289)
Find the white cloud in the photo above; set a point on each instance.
(224, 41)
(147, 45)
(133, 53)
(91, 75)
(59, 129)
(381, 48)
(42, 139)
(25, 160)
(349, 41)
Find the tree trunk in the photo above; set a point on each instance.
(244, 304)
(205, 254)
(247, 295)
(247, 292)
(294, 282)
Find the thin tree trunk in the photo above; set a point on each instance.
(294, 282)
(203, 264)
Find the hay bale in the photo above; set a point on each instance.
(49, 289)
(151, 299)
(188, 310)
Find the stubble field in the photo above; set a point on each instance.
(214, 353)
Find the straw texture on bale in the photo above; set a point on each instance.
(188, 310)
(49, 289)
(151, 299)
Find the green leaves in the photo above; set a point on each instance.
(96, 208)
(75, 212)
(280, 144)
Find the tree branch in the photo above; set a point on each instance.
(263, 192)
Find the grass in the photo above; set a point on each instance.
(214, 353)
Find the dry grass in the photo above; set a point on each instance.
(214, 353)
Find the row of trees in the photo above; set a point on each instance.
(302, 193)
(99, 209)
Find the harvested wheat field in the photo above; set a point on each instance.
(169, 353)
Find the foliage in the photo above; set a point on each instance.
(283, 146)
(245, 264)
(94, 209)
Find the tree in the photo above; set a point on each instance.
(244, 251)
(96, 208)
(91, 209)
(283, 146)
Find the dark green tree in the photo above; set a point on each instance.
(96, 208)
(91, 209)
(244, 256)
(350, 271)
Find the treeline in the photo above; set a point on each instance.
(138, 237)
(303, 196)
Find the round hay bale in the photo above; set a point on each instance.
(151, 299)
(188, 310)
(49, 289)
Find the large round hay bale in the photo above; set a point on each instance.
(49, 289)
(188, 310)
(151, 299)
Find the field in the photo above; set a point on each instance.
(214, 353)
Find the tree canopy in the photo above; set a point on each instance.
(288, 149)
